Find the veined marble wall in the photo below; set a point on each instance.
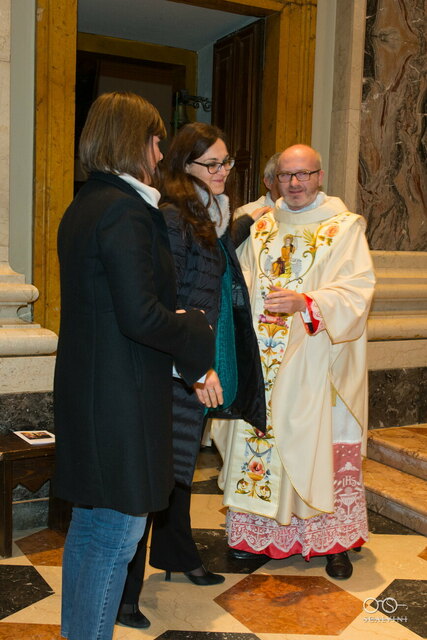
(393, 142)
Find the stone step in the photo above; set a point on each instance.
(396, 495)
(404, 448)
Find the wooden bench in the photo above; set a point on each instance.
(30, 466)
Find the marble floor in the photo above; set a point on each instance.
(260, 600)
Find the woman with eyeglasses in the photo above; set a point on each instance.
(197, 214)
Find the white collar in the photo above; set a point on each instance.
(216, 205)
(320, 199)
(150, 194)
(268, 202)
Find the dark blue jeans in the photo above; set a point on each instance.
(100, 543)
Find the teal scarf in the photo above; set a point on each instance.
(225, 363)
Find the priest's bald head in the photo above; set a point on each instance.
(300, 175)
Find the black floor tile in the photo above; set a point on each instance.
(214, 550)
(20, 586)
(405, 602)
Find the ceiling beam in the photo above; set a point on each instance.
(256, 8)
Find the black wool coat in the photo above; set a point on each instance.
(198, 273)
(118, 339)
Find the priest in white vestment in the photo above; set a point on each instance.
(298, 489)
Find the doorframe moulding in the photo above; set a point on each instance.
(286, 111)
(93, 43)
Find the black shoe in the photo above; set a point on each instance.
(239, 554)
(338, 565)
(201, 577)
(129, 615)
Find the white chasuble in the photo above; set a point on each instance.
(315, 384)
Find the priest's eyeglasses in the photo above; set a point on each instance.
(301, 176)
(214, 167)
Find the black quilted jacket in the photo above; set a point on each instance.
(198, 275)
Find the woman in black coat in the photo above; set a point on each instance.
(119, 338)
(209, 277)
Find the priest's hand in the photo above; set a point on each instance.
(210, 391)
(284, 301)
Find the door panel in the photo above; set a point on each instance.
(236, 106)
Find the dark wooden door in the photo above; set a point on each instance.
(236, 106)
(97, 72)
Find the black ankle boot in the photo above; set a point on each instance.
(129, 615)
(338, 565)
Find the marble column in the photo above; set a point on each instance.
(346, 100)
(26, 360)
(26, 349)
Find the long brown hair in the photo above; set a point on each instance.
(178, 186)
(117, 136)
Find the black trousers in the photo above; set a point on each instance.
(172, 544)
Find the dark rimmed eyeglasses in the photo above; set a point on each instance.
(301, 176)
(214, 167)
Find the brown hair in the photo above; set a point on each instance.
(178, 186)
(117, 135)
